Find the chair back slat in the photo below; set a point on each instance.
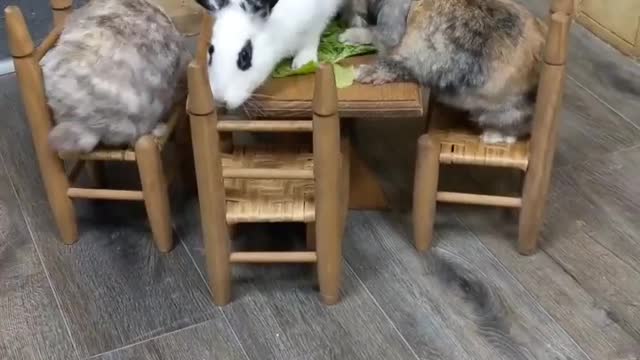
(204, 39)
(266, 125)
(556, 47)
(29, 76)
(20, 41)
(325, 92)
(48, 43)
(61, 10)
(551, 86)
(563, 6)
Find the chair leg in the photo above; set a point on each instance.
(217, 248)
(534, 197)
(208, 168)
(425, 189)
(56, 186)
(155, 190)
(326, 151)
(346, 182)
(329, 250)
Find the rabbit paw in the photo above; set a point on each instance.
(495, 137)
(305, 56)
(160, 130)
(356, 36)
(371, 74)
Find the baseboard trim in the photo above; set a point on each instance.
(6, 66)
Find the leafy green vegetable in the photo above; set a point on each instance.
(330, 51)
(345, 75)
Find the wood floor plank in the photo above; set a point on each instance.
(483, 308)
(605, 202)
(592, 232)
(570, 305)
(31, 325)
(212, 340)
(115, 287)
(609, 74)
(277, 313)
(590, 129)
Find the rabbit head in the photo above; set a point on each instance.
(242, 55)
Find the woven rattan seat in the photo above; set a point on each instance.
(466, 148)
(269, 200)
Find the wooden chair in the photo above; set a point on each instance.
(533, 156)
(57, 181)
(264, 183)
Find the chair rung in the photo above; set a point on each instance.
(105, 194)
(102, 155)
(302, 174)
(476, 199)
(263, 257)
(266, 125)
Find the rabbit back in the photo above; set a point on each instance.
(483, 56)
(113, 74)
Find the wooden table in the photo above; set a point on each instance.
(291, 97)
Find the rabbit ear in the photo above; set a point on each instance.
(259, 7)
(213, 5)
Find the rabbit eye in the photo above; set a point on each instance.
(245, 56)
(211, 49)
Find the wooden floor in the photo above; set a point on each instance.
(113, 296)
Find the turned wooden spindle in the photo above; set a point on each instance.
(425, 190)
(33, 96)
(206, 148)
(326, 150)
(61, 10)
(566, 7)
(544, 133)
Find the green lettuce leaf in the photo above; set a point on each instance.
(345, 75)
(330, 51)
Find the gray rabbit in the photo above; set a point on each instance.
(482, 56)
(117, 69)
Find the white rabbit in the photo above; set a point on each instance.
(250, 37)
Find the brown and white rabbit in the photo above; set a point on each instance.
(482, 56)
(113, 75)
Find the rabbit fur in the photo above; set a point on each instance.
(482, 56)
(117, 69)
(250, 37)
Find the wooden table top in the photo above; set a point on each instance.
(291, 97)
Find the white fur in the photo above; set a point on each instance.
(293, 29)
(356, 36)
(496, 137)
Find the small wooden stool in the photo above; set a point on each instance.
(442, 145)
(266, 183)
(57, 181)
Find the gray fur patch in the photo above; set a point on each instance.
(114, 73)
(452, 47)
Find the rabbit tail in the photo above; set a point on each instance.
(73, 137)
